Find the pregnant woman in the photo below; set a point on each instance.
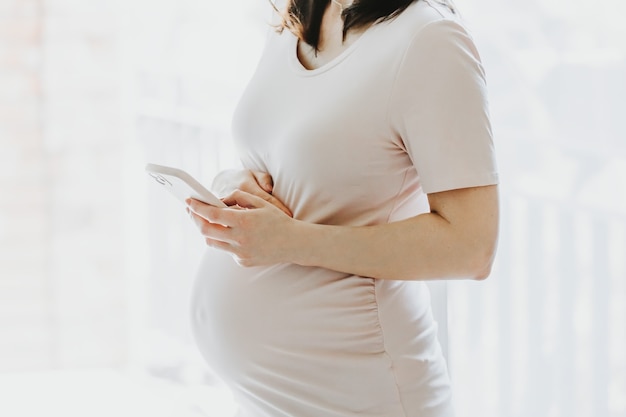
(369, 169)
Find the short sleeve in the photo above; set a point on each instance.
(439, 109)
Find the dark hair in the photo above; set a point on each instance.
(304, 17)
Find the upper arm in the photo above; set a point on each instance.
(439, 110)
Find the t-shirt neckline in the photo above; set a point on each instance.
(297, 66)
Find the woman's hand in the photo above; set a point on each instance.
(256, 183)
(252, 229)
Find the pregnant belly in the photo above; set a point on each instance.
(309, 333)
(239, 313)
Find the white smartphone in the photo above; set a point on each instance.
(182, 185)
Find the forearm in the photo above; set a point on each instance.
(457, 239)
(424, 247)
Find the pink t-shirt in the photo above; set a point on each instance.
(360, 141)
(403, 111)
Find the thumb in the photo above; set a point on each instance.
(244, 199)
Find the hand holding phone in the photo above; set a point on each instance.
(182, 185)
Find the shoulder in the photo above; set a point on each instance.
(428, 30)
(427, 11)
(419, 15)
(427, 23)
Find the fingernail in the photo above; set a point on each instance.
(188, 201)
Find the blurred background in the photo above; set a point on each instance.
(96, 262)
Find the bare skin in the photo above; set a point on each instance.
(254, 182)
(456, 240)
(331, 43)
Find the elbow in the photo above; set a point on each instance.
(482, 263)
(482, 274)
(483, 252)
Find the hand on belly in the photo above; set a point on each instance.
(254, 231)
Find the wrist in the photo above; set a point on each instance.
(301, 242)
(312, 243)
